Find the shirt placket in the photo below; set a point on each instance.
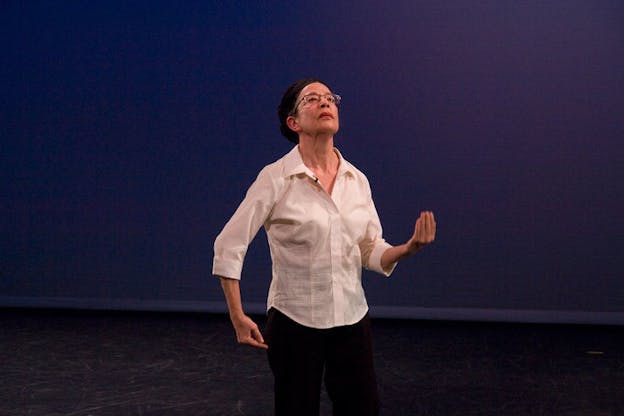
(336, 259)
(335, 252)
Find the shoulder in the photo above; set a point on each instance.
(272, 176)
(275, 169)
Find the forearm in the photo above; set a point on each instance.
(231, 290)
(247, 331)
(397, 253)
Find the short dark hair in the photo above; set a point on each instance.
(287, 105)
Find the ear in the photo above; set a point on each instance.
(292, 124)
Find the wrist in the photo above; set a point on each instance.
(237, 315)
(413, 246)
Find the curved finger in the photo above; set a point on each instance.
(254, 343)
(425, 219)
(426, 227)
(257, 335)
(432, 227)
(430, 222)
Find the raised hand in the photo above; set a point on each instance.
(424, 231)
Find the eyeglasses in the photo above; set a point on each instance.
(314, 98)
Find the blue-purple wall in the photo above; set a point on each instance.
(129, 135)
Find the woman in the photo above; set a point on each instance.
(322, 228)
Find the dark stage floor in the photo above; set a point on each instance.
(111, 363)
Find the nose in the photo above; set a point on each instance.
(324, 100)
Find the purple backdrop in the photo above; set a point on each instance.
(129, 134)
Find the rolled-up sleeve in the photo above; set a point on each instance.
(230, 246)
(373, 245)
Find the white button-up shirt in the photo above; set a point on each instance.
(318, 242)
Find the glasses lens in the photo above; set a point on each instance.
(311, 98)
(314, 98)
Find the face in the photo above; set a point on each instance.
(315, 112)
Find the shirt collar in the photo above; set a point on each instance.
(293, 164)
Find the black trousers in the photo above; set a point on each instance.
(299, 356)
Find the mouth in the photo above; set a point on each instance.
(326, 115)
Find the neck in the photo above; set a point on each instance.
(318, 153)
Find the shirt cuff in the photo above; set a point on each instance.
(230, 270)
(374, 260)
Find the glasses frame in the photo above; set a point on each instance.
(336, 100)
